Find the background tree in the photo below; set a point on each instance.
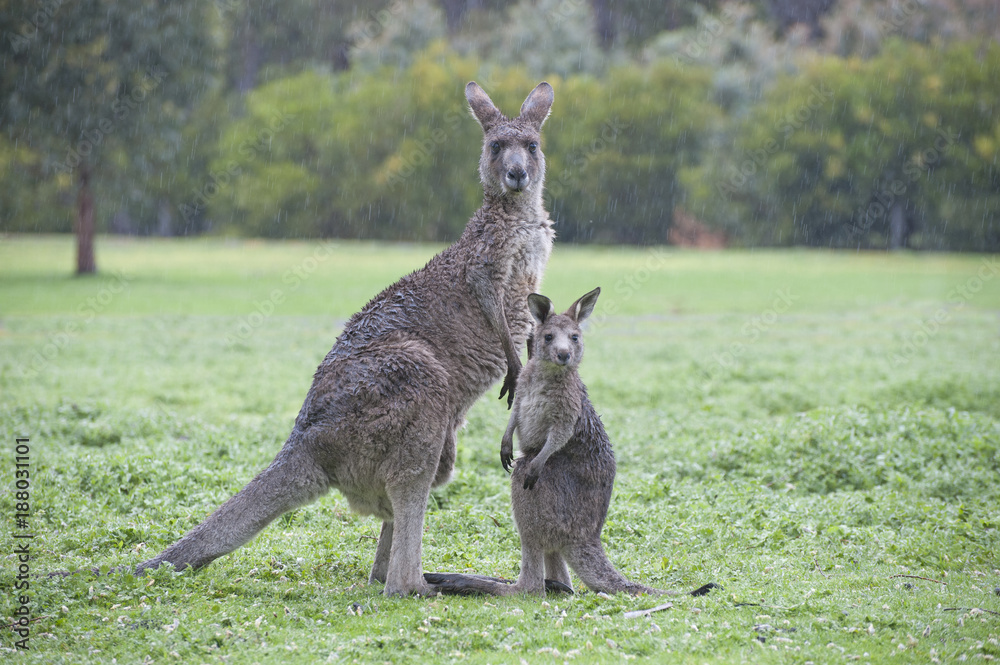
(346, 118)
(87, 83)
(897, 151)
(267, 39)
(613, 173)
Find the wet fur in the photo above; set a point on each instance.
(379, 422)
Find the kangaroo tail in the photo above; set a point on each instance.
(458, 584)
(292, 480)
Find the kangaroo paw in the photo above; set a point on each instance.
(555, 586)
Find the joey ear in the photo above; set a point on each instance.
(583, 307)
(536, 107)
(483, 108)
(540, 307)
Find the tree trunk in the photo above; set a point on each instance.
(250, 51)
(164, 219)
(84, 225)
(899, 228)
(455, 10)
(604, 23)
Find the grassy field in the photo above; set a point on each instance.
(817, 432)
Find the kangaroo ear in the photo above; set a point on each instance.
(583, 307)
(540, 307)
(536, 107)
(483, 108)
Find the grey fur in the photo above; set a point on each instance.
(561, 485)
(380, 420)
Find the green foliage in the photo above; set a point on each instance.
(295, 165)
(615, 147)
(392, 37)
(828, 156)
(806, 471)
(330, 154)
(266, 40)
(29, 202)
(100, 87)
(346, 118)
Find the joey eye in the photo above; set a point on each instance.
(548, 338)
(532, 147)
(495, 147)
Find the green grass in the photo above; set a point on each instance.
(800, 427)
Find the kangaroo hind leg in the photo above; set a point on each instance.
(380, 567)
(556, 569)
(446, 463)
(592, 566)
(404, 575)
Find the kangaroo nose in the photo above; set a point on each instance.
(516, 177)
(563, 357)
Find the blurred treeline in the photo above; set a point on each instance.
(846, 123)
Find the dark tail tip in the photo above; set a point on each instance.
(704, 589)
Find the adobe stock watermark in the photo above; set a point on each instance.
(91, 139)
(564, 11)
(899, 13)
(422, 152)
(866, 216)
(375, 23)
(219, 180)
(754, 328)
(21, 502)
(223, 6)
(819, 96)
(578, 161)
(709, 29)
(57, 342)
(958, 298)
(22, 39)
(627, 286)
(292, 279)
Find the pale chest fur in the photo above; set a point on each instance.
(531, 245)
(529, 250)
(544, 403)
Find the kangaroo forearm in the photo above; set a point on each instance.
(507, 442)
(483, 283)
(508, 434)
(557, 438)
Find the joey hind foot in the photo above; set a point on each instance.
(555, 586)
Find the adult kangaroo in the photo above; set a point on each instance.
(380, 420)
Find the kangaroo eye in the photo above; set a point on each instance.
(532, 147)
(495, 147)
(575, 338)
(548, 338)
